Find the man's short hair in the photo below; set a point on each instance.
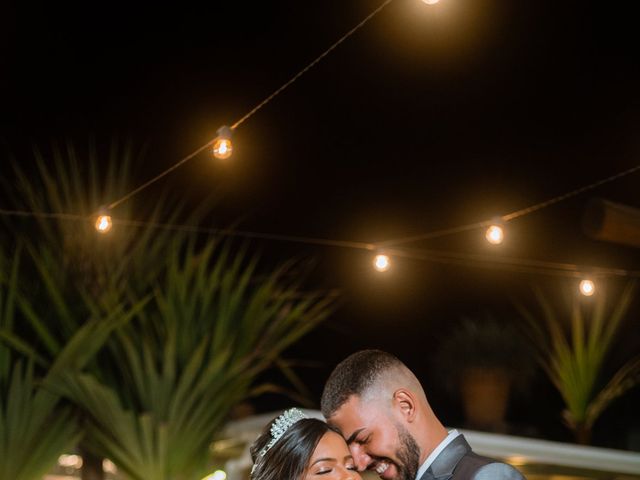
(355, 375)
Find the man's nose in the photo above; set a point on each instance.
(361, 459)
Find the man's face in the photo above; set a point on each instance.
(378, 441)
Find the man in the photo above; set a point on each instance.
(378, 405)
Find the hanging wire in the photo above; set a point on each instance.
(54, 215)
(312, 64)
(573, 193)
(180, 162)
(228, 232)
(522, 265)
(509, 216)
(249, 114)
(512, 264)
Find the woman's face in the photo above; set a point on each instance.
(331, 460)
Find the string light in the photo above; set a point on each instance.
(510, 216)
(70, 461)
(381, 262)
(587, 287)
(522, 265)
(222, 146)
(103, 223)
(217, 475)
(513, 264)
(225, 148)
(495, 233)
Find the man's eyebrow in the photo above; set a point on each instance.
(353, 436)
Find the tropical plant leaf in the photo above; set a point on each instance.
(188, 359)
(151, 333)
(35, 428)
(574, 353)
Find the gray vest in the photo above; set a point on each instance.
(457, 461)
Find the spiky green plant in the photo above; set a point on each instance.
(74, 275)
(100, 270)
(573, 349)
(35, 428)
(214, 326)
(154, 399)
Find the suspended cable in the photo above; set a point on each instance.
(312, 64)
(573, 193)
(229, 232)
(180, 162)
(54, 215)
(524, 265)
(514, 264)
(249, 114)
(509, 216)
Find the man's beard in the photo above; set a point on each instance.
(408, 455)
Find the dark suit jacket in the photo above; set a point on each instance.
(458, 462)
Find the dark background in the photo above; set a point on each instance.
(427, 118)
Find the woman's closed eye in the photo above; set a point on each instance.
(326, 469)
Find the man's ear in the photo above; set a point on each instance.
(405, 403)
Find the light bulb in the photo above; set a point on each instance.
(587, 288)
(70, 461)
(430, 2)
(217, 475)
(103, 223)
(495, 234)
(381, 262)
(222, 146)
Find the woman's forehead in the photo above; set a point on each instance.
(331, 445)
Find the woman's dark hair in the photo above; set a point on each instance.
(289, 457)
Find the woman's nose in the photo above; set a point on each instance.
(348, 474)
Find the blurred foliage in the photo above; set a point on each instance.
(35, 427)
(153, 335)
(574, 347)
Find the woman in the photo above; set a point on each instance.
(294, 447)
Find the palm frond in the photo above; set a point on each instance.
(573, 354)
(35, 428)
(187, 361)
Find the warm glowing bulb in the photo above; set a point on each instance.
(587, 288)
(222, 147)
(70, 461)
(430, 2)
(381, 263)
(217, 475)
(103, 223)
(495, 234)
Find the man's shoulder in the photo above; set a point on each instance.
(477, 467)
(459, 462)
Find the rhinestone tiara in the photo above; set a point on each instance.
(279, 427)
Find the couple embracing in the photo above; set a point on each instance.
(378, 419)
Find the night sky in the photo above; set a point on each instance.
(427, 118)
